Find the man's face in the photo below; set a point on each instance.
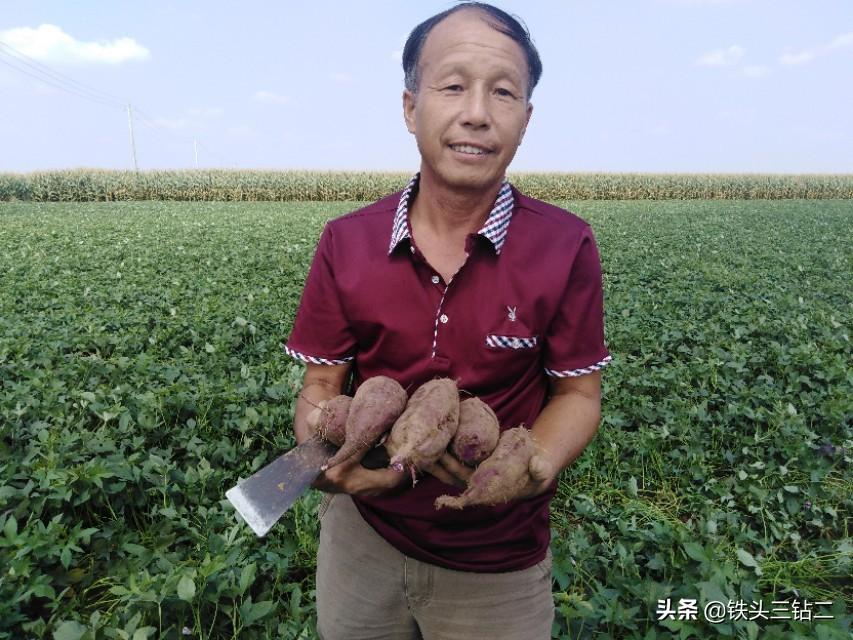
(472, 92)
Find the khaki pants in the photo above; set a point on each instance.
(367, 590)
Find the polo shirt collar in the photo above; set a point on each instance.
(494, 229)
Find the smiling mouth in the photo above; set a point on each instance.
(469, 149)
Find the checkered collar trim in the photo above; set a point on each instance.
(495, 228)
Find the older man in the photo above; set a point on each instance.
(459, 275)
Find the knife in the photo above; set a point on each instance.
(262, 498)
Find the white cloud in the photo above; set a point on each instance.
(797, 58)
(807, 55)
(174, 124)
(49, 43)
(845, 40)
(343, 78)
(241, 132)
(195, 118)
(721, 57)
(268, 97)
(756, 70)
(206, 112)
(659, 129)
(737, 115)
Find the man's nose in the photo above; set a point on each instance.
(476, 110)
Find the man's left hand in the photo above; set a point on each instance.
(450, 471)
(541, 474)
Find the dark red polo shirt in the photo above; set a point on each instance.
(527, 304)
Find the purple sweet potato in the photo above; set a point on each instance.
(377, 403)
(501, 476)
(477, 434)
(332, 422)
(421, 435)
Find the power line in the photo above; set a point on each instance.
(56, 79)
(17, 60)
(56, 85)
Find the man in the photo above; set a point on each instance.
(457, 276)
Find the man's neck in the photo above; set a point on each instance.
(451, 213)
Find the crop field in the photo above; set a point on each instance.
(142, 373)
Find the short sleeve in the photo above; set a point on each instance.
(321, 333)
(574, 343)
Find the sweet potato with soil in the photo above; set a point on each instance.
(500, 477)
(377, 403)
(477, 433)
(421, 435)
(332, 420)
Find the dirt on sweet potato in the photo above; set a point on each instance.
(421, 435)
(477, 434)
(376, 405)
(501, 476)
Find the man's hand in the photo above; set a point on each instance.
(541, 474)
(450, 471)
(350, 476)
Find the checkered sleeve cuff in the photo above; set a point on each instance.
(574, 373)
(313, 359)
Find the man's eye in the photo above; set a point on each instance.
(453, 87)
(505, 92)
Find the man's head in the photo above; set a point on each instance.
(496, 18)
(469, 75)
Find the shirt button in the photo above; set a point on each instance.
(435, 279)
(443, 318)
(412, 249)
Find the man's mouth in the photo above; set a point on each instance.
(469, 149)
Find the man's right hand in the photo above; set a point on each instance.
(350, 476)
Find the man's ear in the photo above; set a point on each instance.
(526, 122)
(409, 110)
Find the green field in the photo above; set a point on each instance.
(141, 374)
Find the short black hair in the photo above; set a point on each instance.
(504, 22)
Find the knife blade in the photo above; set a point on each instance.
(262, 498)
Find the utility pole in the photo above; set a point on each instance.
(132, 143)
(195, 148)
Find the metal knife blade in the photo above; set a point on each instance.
(263, 497)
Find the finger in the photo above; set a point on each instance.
(444, 475)
(383, 479)
(454, 467)
(313, 418)
(540, 469)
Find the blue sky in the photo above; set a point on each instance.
(628, 85)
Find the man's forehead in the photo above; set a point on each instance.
(470, 35)
(461, 64)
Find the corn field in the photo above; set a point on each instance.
(259, 185)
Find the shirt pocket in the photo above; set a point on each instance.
(509, 343)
